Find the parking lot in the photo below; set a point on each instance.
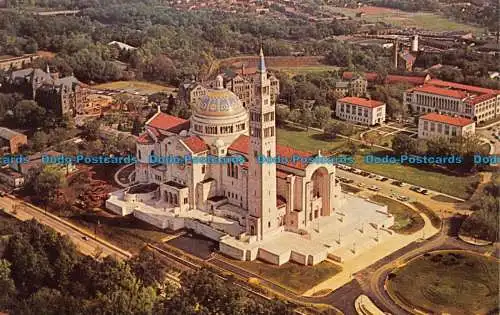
(395, 189)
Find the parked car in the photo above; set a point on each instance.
(424, 192)
(415, 189)
(374, 188)
(349, 181)
(361, 185)
(365, 174)
(403, 198)
(398, 183)
(372, 176)
(384, 179)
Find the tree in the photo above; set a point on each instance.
(332, 129)
(47, 184)
(402, 144)
(322, 115)
(28, 114)
(136, 126)
(148, 268)
(7, 287)
(306, 118)
(282, 114)
(91, 129)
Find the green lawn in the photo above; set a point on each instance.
(311, 141)
(135, 86)
(463, 186)
(127, 232)
(443, 198)
(305, 70)
(406, 220)
(295, 277)
(350, 188)
(433, 216)
(448, 282)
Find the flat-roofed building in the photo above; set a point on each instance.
(435, 125)
(360, 110)
(476, 103)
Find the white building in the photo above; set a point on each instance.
(360, 110)
(476, 103)
(437, 125)
(253, 209)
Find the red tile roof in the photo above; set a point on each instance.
(369, 76)
(195, 144)
(480, 98)
(242, 143)
(463, 87)
(430, 89)
(393, 79)
(145, 138)
(450, 120)
(361, 102)
(167, 122)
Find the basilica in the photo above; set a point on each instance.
(253, 209)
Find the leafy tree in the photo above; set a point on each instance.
(306, 118)
(91, 129)
(47, 184)
(7, 287)
(322, 115)
(282, 114)
(147, 268)
(332, 129)
(28, 114)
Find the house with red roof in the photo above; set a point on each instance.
(434, 125)
(360, 110)
(454, 99)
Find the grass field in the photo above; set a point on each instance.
(463, 186)
(140, 87)
(422, 20)
(448, 282)
(295, 277)
(308, 141)
(406, 220)
(126, 232)
(433, 216)
(305, 69)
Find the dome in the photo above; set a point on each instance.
(219, 102)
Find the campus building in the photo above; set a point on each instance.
(360, 110)
(356, 86)
(435, 125)
(59, 95)
(11, 141)
(476, 103)
(289, 207)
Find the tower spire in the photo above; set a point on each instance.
(262, 63)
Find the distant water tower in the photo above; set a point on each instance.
(414, 43)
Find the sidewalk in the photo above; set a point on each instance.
(396, 242)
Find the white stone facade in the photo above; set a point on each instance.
(360, 111)
(435, 125)
(253, 209)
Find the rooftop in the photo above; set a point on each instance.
(463, 87)
(167, 122)
(430, 89)
(450, 120)
(6, 133)
(195, 144)
(361, 102)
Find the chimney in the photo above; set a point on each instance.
(414, 43)
(396, 51)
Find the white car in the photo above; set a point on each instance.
(403, 198)
(361, 185)
(374, 188)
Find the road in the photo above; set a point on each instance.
(85, 242)
(372, 279)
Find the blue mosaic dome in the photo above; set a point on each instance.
(219, 103)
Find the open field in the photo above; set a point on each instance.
(451, 282)
(126, 232)
(295, 277)
(305, 70)
(406, 220)
(421, 20)
(311, 141)
(433, 216)
(140, 87)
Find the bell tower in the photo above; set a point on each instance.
(263, 213)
